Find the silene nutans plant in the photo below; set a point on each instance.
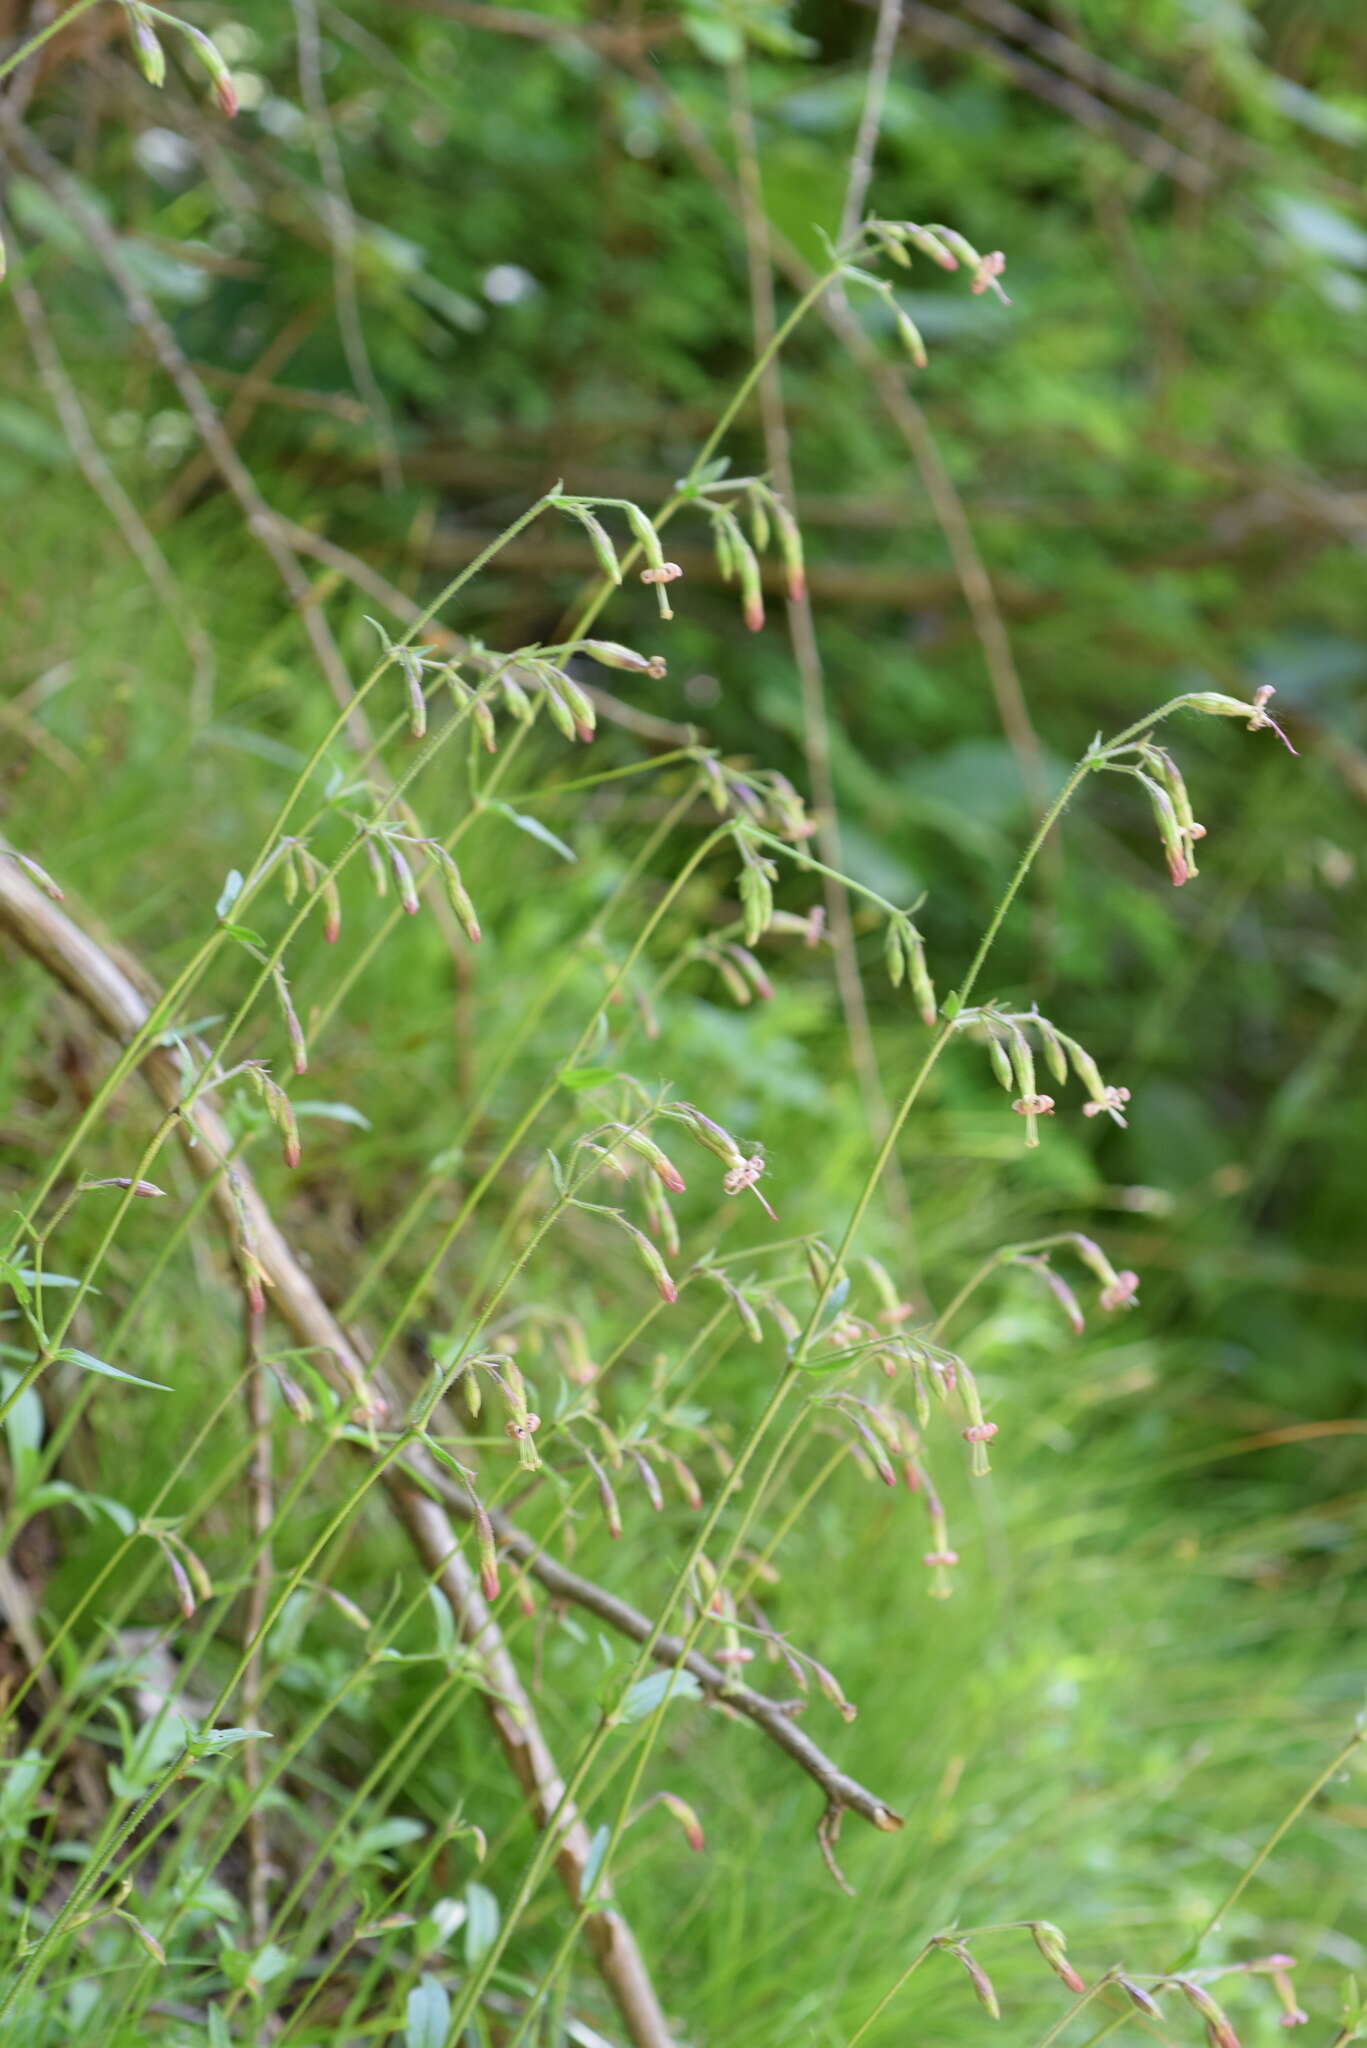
(471, 1402)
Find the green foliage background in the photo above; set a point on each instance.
(1155, 1640)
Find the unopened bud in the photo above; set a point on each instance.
(1051, 1945)
(688, 1820)
(1219, 2032)
(1140, 1998)
(654, 1265)
(612, 655)
(978, 1977)
(224, 90)
(146, 48)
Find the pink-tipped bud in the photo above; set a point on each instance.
(29, 865)
(688, 1820)
(655, 1266)
(1219, 2032)
(252, 1285)
(225, 92)
(978, 1977)
(488, 1551)
(613, 655)
(403, 877)
(1292, 2014)
(754, 611)
(659, 1162)
(688, 1485)
(184, 1592)
(1051, 1945)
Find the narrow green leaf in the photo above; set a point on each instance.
(89, 1363)
(534, 829)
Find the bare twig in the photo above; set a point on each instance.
(103, 481)
(802, 633)
(108, 990)
(1065, 93)
(871, 115)
(341, 223)
(59, 944)
(261, 520)
(773, 1716)
(261, 1483)
(249, 391)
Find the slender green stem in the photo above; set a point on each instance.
(43, 35)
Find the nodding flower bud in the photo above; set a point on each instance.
(146, 1189)
(148, 51)
(184, 1593)
(654, 1265)
(659, 1163)
(225, 92)
(790, 547)
(488, 1550)
(683, 1813)
(403, 878)
(612, 655)
(26, 861)
(929, 244)
(719, 1142)
(981, 1982)
(612, 1513)
(1051, 1945)
(293, 1395)
(1001, 1063)
(1292, 2014)
(599, 540)
(910, 335)
(1219, 2032)
(1139, 1997)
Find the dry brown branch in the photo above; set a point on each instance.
(801, 622)
(102, 480)
(1067, 95)
(248, 392)
(634, 37)
(109, 991)
(261, 520)
(51, 937)
(341, 226)
(773, 1716)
